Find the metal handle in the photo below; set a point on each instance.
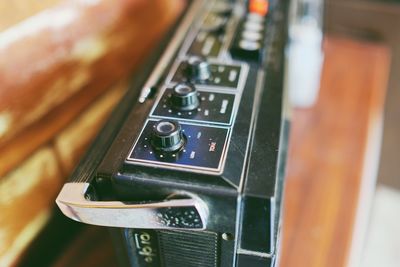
(170, 214)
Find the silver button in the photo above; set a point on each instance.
(251, 36)
(249, 45)
(253, 26)
(254, 17)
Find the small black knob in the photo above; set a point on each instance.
(198, 69)
(167, 136)
(184, 97)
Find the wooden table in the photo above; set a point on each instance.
(333, 158)
(332, 163)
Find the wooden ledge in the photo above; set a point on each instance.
(333, 158)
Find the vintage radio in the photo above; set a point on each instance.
(189, 169)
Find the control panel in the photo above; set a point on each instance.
(194, 154)
(190, 124)
(181, 145)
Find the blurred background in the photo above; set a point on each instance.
(379, 20)
(64, 65)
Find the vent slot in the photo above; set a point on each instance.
(189, 249)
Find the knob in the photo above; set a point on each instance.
(167, 136)
(223, 9)
(214, 23)
(198, 69)
(184, 97)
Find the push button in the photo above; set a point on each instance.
(249, 45)
(259, 7)
(249, 38)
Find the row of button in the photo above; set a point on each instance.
(249, 39)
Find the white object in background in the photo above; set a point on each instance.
(383, 238)
(304, 52)
(305, 59)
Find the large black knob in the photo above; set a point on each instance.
(198, 69)
(167, 136)
(184, 97)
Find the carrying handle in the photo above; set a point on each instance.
(190, 213)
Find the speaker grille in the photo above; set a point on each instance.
(188, 249)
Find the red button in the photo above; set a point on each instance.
(258, 6)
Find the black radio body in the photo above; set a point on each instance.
(189, 169)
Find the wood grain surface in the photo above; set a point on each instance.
(53, 64)
(93, 247)
(27, 194)
(72, 142)
(13, 12)
(26, 197)
(59, 80)
(327, 166)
